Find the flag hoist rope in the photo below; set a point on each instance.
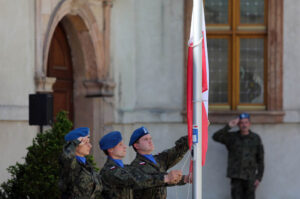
(188, 157)
(198, 43)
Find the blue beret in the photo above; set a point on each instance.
(137, 134)
(244, 115)
(110, 140)
(76, 133)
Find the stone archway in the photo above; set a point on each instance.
(87, 111)
(90, 67)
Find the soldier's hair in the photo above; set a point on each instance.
(134, 148)
(105, 152)
(137, 141)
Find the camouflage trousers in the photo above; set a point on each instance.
(242, 189)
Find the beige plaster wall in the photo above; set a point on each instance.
(16, 80)
(16, 52)
(147, 60)
(140, 82)
(15, 137)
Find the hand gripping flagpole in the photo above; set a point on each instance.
(197, 100)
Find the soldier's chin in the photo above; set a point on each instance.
(122, 156)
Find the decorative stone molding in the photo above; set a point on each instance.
(93, 14)
(44, 84)
(99, 88)
(257, 117)
(275, 55)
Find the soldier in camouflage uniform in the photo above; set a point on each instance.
(142, 143)
(245, 157)
(118, 179)
(78, 178)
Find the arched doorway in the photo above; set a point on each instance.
(60, 67)
(76, 59)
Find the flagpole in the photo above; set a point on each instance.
(197, 100)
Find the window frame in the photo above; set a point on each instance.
(273, 69)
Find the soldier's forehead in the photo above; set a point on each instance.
(146, 136)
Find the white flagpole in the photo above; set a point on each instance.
(197, 99)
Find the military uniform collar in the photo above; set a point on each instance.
(110, 163)
(150, 157)
(117, 161)
(249, 135)
(81, 159)
(140, 157)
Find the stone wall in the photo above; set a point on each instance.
(16, 80)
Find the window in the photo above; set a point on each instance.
(237, 35)
(244, 40)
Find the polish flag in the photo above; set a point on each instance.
(205, 85)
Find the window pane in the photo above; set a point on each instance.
(252, 11)
(216, 11)
(252, 71)
(218, 70)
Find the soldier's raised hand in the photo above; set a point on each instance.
(173, 177)
(233, 123)
(188, 178)
(256, 183)
(83, 140)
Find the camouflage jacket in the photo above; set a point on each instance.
(118, 182)
(165, 160)
(245, 154)
(77, 180)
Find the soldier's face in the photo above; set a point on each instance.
(84, 148)
(244, 125)
(119, 151)
(144, 145)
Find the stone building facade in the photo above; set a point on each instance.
(120, 64)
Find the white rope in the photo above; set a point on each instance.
(189, 154)
(184, 163)
(198, 43)
(189, 184)
(188, 193)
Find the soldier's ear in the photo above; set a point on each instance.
(134, 145)
(109, 151)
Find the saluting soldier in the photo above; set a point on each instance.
(78, 178)
(245, 157)
(118, 179)
(141, 141)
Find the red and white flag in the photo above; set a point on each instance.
(205, 85)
